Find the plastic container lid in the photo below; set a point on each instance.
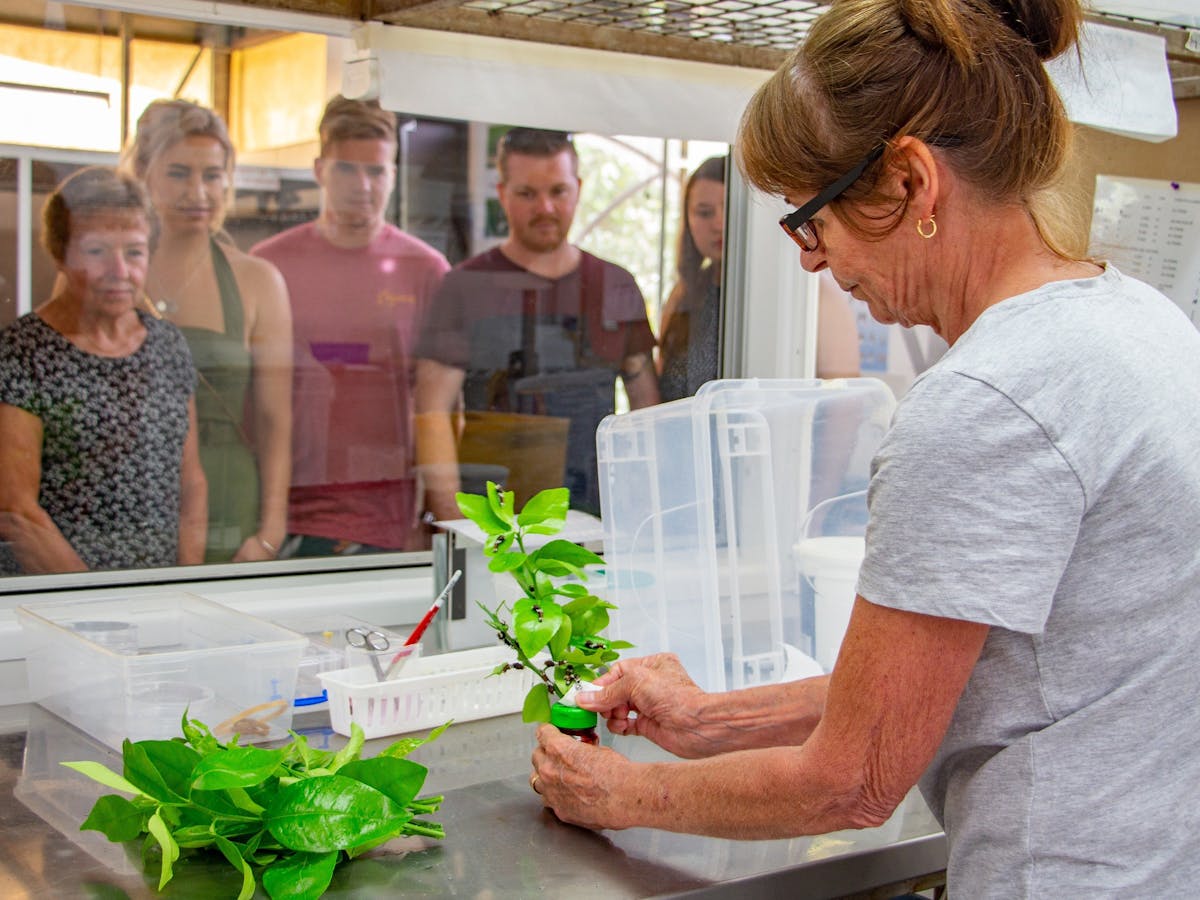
(562, 716)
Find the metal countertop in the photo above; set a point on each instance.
(500, 842)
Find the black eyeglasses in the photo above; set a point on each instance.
(798, 225)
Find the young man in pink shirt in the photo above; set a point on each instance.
(359, 289)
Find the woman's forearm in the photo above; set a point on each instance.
(37, 544)
(273, 425)
(778, 715)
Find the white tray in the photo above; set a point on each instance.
(429, 691)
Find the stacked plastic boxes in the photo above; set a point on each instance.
(734, 522)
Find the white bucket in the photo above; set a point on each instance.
(830, 564)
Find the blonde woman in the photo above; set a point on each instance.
(233, 310)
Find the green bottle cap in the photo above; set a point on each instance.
(563, 716)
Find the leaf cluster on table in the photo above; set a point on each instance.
(288, 815)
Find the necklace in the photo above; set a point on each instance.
(169, 305)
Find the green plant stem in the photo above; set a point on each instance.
(524, 660)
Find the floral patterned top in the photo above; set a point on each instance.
(113, 435)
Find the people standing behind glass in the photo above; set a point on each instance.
(233, 311)
(359, 287)
(99, 466)
(689, 349)
(536, 325)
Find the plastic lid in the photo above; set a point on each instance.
(562, 716)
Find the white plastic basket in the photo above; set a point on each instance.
(429, 691)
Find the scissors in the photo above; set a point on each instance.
(362, 638)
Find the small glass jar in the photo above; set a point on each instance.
(575, 722)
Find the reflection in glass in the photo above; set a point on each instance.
(533, 327)
(445, 195)
(233, 310)
(99, 466)
(689, 348)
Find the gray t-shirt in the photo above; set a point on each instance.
(1044, 479)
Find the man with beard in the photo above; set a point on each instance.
(359, 288)
(535, 325)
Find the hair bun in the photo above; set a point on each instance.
(968, 29)
(1048, 25)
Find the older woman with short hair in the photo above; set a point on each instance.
(1024, 641)
(99, 466)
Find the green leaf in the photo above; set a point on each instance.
(501, 502)
(401, 748)
(561, 639)
(506, 562)
(302, 876)
(352, 750)
(566, 552)
(580, 656)
(589, 615)
(243, 801)
(105, 776)
(318, 815)
(571, 589)
(537, 704)
(199, 736)
(170, 850)
(116, 818)
(230, 851)
(533, 629)
(479, 511)
(168, 764)
(547, 509)
(399, 779)
(619, 645)
(236, 767)
(192, 836)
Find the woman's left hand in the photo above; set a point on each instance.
(252, 550)
(580, 783)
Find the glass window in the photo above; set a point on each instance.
(366, 322)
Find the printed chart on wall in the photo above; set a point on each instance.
(1150, 229)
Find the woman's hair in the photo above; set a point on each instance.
(164, 123)
(95, 190)
(964, 76)
(355, 120)
(693, 276)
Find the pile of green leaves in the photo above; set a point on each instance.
(558, 620)
(288, 815)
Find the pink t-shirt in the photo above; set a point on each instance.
(355, 315)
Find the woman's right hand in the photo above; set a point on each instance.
(654, 698)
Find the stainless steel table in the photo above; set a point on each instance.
(499, 841)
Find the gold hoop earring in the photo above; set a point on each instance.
(932, 229)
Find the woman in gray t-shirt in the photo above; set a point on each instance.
(1024, 641)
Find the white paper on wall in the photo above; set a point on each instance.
(1150, 229)
(1123, 85)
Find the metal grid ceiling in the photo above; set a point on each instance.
(767, 24)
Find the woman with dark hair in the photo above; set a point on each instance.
(1024, 641)
(233, 310)
(99, 466)
(689, 350)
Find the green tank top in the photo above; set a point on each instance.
(225, 367)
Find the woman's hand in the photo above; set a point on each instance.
(654, 698)
(582, 784)
(254, 549)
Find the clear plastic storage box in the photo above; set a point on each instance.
(734, 523)
(128, 666)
